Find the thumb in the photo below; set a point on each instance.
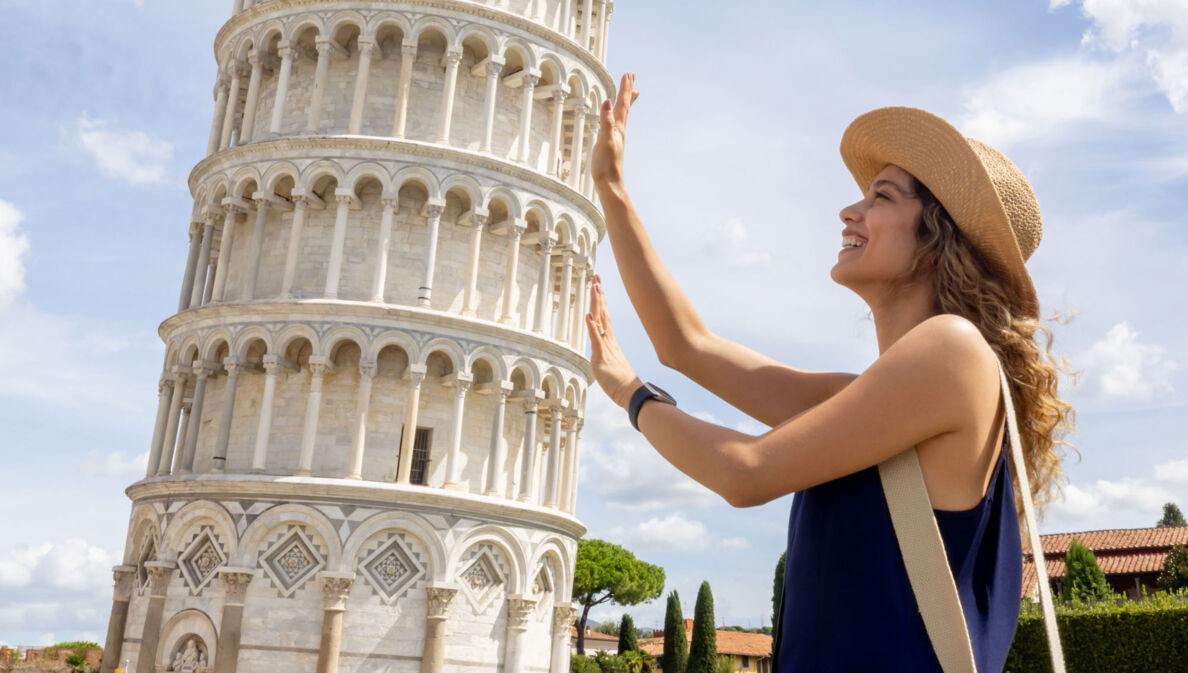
(595, 338)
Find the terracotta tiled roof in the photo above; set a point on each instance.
(1124, 551)
(592, 635)
(729, 642)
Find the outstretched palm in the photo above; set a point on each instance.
(611, 369)
(606, 163)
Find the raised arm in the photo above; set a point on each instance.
(757, 385)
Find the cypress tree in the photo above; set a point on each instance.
(1175, 569)
(676, 645)
(703, 649)
(777, 587)
(1083, 578)
(627, 640)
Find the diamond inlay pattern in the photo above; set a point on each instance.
(201, 560)
(392, 569)
(482, 579)
(292, 561)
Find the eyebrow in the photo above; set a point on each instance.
(910, 195)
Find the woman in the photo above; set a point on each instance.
(935, 247)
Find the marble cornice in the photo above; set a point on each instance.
(269, 10)
(387, 149)
(388, 316)
(316, 490)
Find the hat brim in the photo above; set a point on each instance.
(937, 155)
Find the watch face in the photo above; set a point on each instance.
(660, 393)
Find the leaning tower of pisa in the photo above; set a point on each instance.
(365, 453)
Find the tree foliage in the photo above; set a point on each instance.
(628, 635)
(1083, 578)
(1175, 569)
(1172, 516)
(703, 648)
(606, 572)
(676, 645)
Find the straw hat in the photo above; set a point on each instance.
(986, 195)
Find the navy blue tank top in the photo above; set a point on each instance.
(848, 606)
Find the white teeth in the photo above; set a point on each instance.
(852, 242)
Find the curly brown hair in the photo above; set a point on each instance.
(967, 286)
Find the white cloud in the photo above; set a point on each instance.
(71, 567)
(1173, 472)
(674, 532)
(131, 156)
(1102, 497)
(627, 473)
(1119, 366)
(1045, 99)
(730, 244)
(1155, 29)
(14, 245)
(115, 464)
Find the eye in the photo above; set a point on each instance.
(882, 194)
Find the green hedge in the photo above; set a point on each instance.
(1112, 636)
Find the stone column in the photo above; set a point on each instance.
(264, 427)
(433, 655)
(122, 591)
(494, 67)
(324, 47)
(581, 333)
(433, 210)
(509, 280)
(544, 285)
(209, 278)
(554, 465)
(519, 611)
(572, 469)
(183, 432)
(579, 142)
(416, 374)
(604, 34)
(183, 301)
(408, 55)
(563, 620)
(382, 249)
(528, 451)
(562, 333)
(233, 368)
(587, 180)
(220, 279)
(253, 98)
(567, 471)
(579, 318)
(472, 267)
(453, 464)
(262, 206)
(587, 19)
(338, 243)
(198, 289)
(336, 587)
(235, 582)
(202, 371)
(565, 25)
(497, 452)
(367, 370)
(164, 404)
(169, 441)
(282, 85)
(160, 572)
(216, 124)
(447, 100)
(318, 365)
(529, 82)
(360, 96)
(559, 96)
(236, 69)
(301, 204)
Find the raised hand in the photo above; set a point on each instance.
(606, 163)
(611, 369)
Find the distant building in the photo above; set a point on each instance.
(595, 642)
(1131, 558)
(751, 652)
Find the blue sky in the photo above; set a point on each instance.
(733, 163)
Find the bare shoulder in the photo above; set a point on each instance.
(950, 350)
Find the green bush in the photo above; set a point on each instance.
(1111, 636)
(580, 663)
(725, 663)
(1175, 569)
(611, 663)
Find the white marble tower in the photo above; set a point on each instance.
(365, 454)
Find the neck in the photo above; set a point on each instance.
(895, 314)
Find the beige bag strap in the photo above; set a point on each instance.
(923, 551)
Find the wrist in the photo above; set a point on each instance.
(624, 396)
(611, 188)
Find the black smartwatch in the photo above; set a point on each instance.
(644, 393)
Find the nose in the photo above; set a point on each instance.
(851, 213)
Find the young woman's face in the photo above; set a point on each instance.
(879, 238)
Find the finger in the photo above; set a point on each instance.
(604, 318)
(595, 338)
(606, 115)
(622, 105)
